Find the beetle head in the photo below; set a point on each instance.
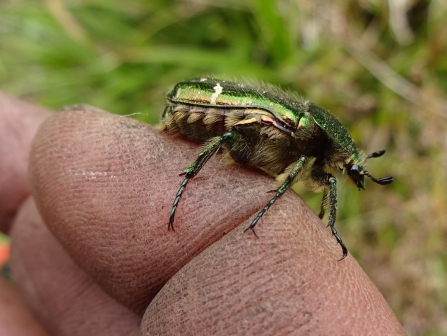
(357, 173)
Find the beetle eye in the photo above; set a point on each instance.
(357, 176)
(354, 171)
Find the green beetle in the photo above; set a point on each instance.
(262, 126)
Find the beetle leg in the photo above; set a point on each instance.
(333, 213)
(192, 170)
(329, 201)
(281, 190)
(323, 204)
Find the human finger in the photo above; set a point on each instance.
(15, 317)
(19, 122)
(62, 296)
(104, 185)
(287, 281)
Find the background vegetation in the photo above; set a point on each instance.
(379, 65)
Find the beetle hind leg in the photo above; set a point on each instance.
(175, 203)
(192, 170)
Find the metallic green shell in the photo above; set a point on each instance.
(335, 130)
(283, 105)
(220, 93)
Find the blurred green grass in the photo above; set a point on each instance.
(380, 66)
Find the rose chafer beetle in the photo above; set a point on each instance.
(265, 127)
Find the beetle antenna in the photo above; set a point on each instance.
(376, 154)
(382, 181)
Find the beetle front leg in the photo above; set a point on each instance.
(192, 170)
(333, 213)
(329, 201)
(281, 190)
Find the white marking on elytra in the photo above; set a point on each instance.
(217, 92)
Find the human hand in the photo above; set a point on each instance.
(19, 122)
(104, 186)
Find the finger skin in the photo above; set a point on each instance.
(63, 297)
(104, 185)
(19, 122)
(15, 317)
(279, 284)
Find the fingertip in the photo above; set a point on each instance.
(105, 184)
